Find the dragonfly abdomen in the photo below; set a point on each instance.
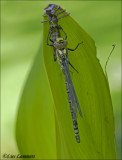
(75, 125)
(73, 114)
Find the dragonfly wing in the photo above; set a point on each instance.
(72, 102)
(75, 102)
(69, 90)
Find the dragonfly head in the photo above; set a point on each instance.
(60, 43)
(59, 40)
(50, 9)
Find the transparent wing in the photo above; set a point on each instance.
(73, 107)
(76, 99)
(75, 102)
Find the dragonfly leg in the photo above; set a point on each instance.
(57, 9)
(44, 21)
(64, 32)
(45, 15)
(75, 48)
(73, 67)
(64, 16)
(61, 12)
(54, 53)
(50, 40)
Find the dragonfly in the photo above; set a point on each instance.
(60, 52)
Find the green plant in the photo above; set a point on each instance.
(44, 125)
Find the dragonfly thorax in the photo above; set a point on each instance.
(60, 43)
(61, 56)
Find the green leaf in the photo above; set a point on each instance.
(44, 124)
(35, 128)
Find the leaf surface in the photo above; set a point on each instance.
(44, 124)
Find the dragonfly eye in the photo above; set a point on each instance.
(47, 11)
(60, 40)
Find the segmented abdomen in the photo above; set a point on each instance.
(72, 108)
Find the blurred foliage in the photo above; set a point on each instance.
(21, 36)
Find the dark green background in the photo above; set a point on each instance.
(21, 38)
